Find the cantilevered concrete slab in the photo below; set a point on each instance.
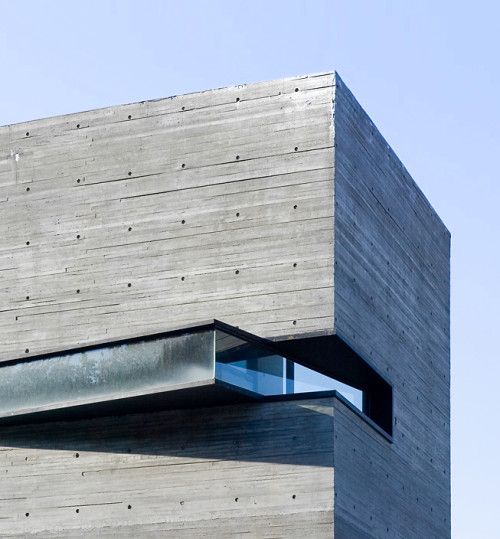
(191, 367)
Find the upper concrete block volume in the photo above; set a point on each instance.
(248, 204)
(276, 207)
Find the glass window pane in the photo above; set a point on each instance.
(307, 380)
(107, 372)
(256, 369)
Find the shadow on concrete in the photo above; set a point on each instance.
(285, 431)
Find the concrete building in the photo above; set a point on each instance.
(222, 314)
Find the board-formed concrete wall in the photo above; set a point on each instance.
(253, 470)
(150, 216)
(277, 207)
(391, 307)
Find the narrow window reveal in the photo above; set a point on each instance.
(258, 370)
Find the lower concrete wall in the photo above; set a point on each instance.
(375, 495)
(253, 470)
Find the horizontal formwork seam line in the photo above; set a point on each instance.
(208, 300)
(212, 106)
(201, 186)
(221, 300)
(59, 310)
(163, 173)
(244, 87)
(196, 234)
(168, 129)
(145, 242)
(81, 504)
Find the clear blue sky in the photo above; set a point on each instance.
(427, 73)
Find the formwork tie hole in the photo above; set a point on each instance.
(237, 99)
(129, 507)
(130, 173)
(296, 148)
(78, 180)
(294, 322)
(237, 157)
(295, 207)
(78, 126)
(27, 297)
(236, 499)
(130, 229)
(183, 165)
(296, 89)
(78, 236)
(77, 455)
(27, 243)
(183, 278)
(130, 116)
(237, 272)
(183, 221)
(77, 290)
(77, 510)
(27, 514)
(183, 108)
(28, 189)
(129, 284)
(27, 351)
(27, 133)
(237, 214)
(295, 264)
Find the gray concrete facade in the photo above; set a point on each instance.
(392, 307)
(241, 470)
(277, 207)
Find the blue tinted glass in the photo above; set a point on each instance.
(307, 380)
(256, 369)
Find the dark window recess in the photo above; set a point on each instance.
(264, 372)
(329, 355)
